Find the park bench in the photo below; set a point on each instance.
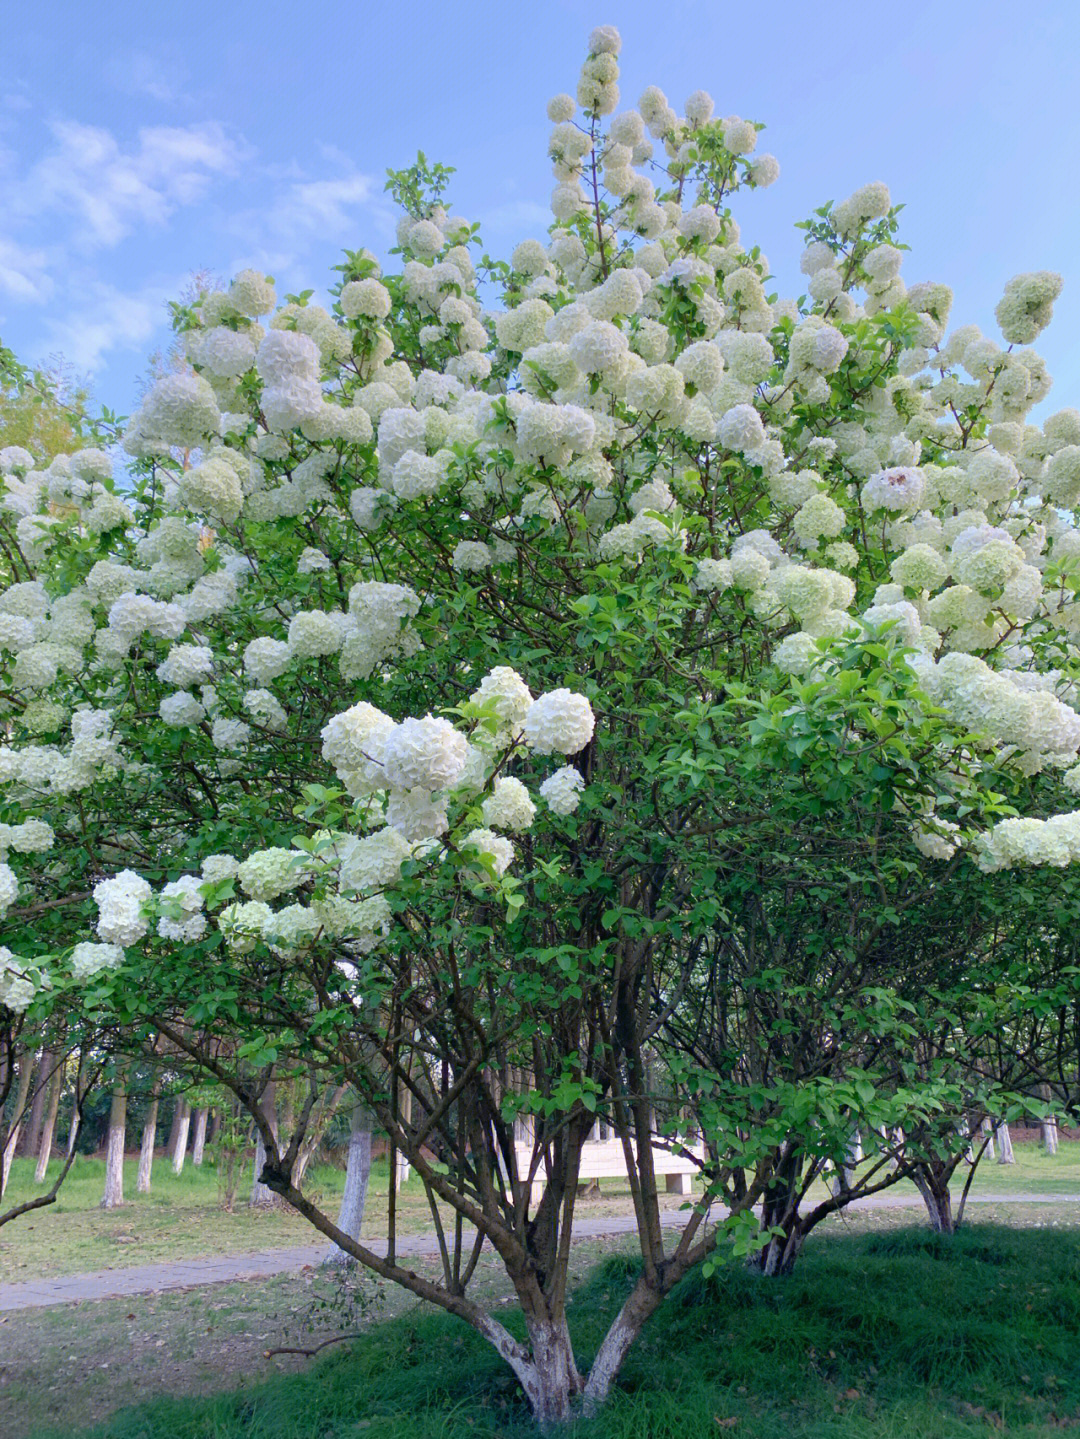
(604, 1159)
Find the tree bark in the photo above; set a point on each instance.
(937, 1199)
(262, 1196)
(149, 1139)
(1005, 1149)
(988, 1128)
(32, 1129)
(27, 1064)
(114, 1151)
(48, 1125)
(357, 1172)
(198, 1139)
(1048, 1125)
(183, 1125)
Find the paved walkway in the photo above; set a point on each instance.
(226, 1268)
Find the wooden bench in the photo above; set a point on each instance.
(604, 1159)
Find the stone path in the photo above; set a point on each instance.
(226, 1268)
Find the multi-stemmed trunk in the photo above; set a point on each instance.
(933, 1184)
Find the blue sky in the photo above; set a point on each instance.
(149, 141)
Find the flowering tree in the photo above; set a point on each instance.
(422, 710)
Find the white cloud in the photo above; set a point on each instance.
(111, 190)
(109, 319)
(24, 273)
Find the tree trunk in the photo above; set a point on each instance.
(357, 1172)
(48, 1126)
(1049, 1124)
(27, 1064)
(184, 1124)
(262, 1196)
(937, 1199)
(149, 1139)
(114, 1151)
(32, 1129)
(1005, 1149)
(215, 1126)
(198, 1139)
(988, 1128)
(554, 1382)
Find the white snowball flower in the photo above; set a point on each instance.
(120, 902)
(182, 902)
(9, 887)
(559, 721)
(88, 958)
(512, 701)
(509, 806)
(897, 489)
(562, 790)
(425, 754)
(493, 846)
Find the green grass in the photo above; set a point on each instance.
(893, 1335)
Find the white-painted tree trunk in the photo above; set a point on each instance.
(262, 1196)
(988, 1128)
(1004, 1142)
(179, 1154)
(146, 1149)
(198, 1136)
(1048, 1126)
(48, 1123)
(114, 1149)
(357, 1172)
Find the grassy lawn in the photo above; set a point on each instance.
(888, 1333)
(183, 1216)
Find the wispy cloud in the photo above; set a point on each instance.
(24, 272)
(111, 190)
(108, 320)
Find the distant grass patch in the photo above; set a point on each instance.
(900, 1335)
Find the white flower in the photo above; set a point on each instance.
(741, 429)
(88, 958)
(509, 806)
(120, 902)
(271, 872)
(375, 861)
(559, 721)
(493, 846)
(181, 710)
(900, 488)
(266, 658)
(471, 555)
(313, 633)
(9, 887)
(181, 903)
(562, 790)
(186, 665)
(424, 754)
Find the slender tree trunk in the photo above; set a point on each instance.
(215, 1126)
(48, 1125)
(31, 1137)
(401, 1164)
(1049, 1124)
(198, 1139)
(149, 1139)
(27, 1064)
(114, 1151)
(1005, 1148)
(357, 1172)
(262, 1196)
(180, 1151)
